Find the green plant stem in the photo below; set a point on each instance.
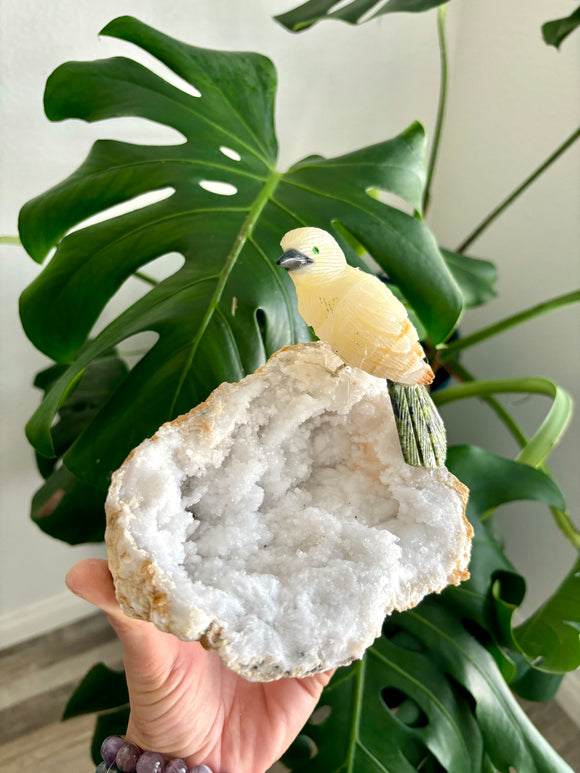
(551, 429)
(462, 374)
(441, 12)
(561, 518)
(519, 190)
(447, 350)
(245, 232)
(9, 240)
(145, 278)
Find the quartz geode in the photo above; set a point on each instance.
(278, 523)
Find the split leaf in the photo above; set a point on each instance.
(550, 639)
(475, 277)
(69, 509)
(552, 634)
(229, 307)
(388, 713)
(313, 11)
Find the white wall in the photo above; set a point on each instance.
(512, 100)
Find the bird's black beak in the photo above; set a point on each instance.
(293, 259)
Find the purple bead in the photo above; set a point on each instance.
(201, 769)
(110, 747)
(127, 757)
(176, 766)
(150, 762)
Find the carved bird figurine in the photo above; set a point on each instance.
(369, 328)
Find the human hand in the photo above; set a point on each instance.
(186, 703)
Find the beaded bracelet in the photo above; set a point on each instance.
(126, 757)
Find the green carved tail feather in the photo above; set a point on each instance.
(421, 429)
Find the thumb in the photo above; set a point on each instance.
(91, 580)
(144, 647)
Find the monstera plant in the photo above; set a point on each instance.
(436, 690)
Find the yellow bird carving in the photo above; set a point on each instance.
(353, 311)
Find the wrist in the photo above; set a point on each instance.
(125, 756)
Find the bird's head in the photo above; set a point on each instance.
(311, 252)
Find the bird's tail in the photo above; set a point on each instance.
(420, 427)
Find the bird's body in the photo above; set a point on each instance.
(365, 324)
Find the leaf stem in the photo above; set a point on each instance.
(245, 232)
(10, 240)
(561, 518)
(563, 521)
(519, 190)
(462, 374)
(145, 277)
(505, 324)
(356, 714)
(441, 12)
(551, 429)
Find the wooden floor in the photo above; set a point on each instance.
(37, 678)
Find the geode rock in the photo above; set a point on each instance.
(278, 523)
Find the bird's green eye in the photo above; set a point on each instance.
(316, 251)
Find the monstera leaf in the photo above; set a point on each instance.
(427, 695)
(550, 640)
(494, 480)
(64, 506)
(101, 688)
(475, 277)
(552, 634)
(510, 739)
(390, 712)
(99, 381)
(313, 11)
(69, 509)
(228, 307)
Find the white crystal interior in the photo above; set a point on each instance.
(294, 523)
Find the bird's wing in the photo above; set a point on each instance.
(374, 308)
(372, 329)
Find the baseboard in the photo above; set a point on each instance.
(569, 696)
(41, 617)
